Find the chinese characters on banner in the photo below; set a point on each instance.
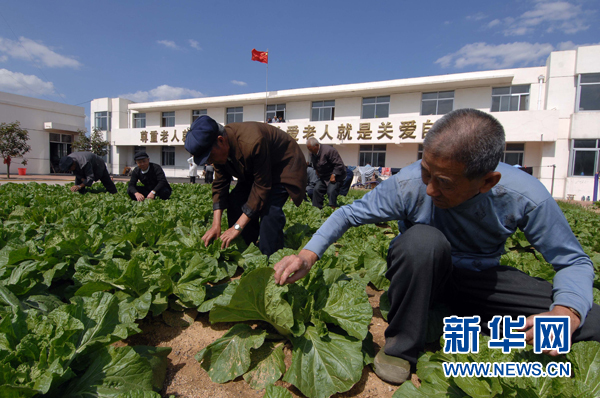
(382, 132)
(461, 334)
(164, 136)
(406, 131)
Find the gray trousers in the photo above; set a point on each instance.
(421, 274)
(321, 188)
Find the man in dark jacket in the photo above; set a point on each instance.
(269, 167)
(330, 169)
(153, 178)
(87, 167)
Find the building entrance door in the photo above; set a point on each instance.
(59, 147)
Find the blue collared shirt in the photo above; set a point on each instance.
(478, 228)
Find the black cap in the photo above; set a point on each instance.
(140, 156)
(65, 163)
(201, 138)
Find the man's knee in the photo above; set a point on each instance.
(421, 247)
(418, 240)
(164, 193)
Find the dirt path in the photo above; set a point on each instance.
(186, 378)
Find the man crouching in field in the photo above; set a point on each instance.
(87, 167)
(458, 205)
(152, 176)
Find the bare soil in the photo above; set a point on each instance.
(186, 378)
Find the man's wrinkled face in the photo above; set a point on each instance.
(143, 164)
(313, 149)
(446, 183)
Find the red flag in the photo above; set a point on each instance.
(260, 56)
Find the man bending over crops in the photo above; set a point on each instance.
(457, 207)
(152, 176)
(87, 167)
(330, 169)
(269, 167)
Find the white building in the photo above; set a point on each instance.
(52, 127)
(551, 115)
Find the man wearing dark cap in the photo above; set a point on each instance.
(269, 167)
(87, 167)
(153, 178)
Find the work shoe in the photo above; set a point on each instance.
(394, 370)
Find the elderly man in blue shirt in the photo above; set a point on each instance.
(457, 207)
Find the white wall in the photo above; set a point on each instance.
(32, 113)
(588, 59)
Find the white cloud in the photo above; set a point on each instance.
(168, 43)
(569, 45)
(162, 93)
(239, 83)
(18, 83)
(501, 56)
(550, 16)
(30, 50)
(195, 44)
(476, 17)
(493, 23)
(3, 58)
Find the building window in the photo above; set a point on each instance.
(438, 103)
(372, 154)
(235, 115)
(376, 107)
(168, 156)
(420, 152)
(102, 120)
(108, 157)
(276, 113)
(139, 120)
(589, 92)
(138, 149)
(196, 113)
(322, 110)
(512, 98)
(584, 157)
(168, 119)
(513, 154)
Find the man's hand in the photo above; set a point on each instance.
(139, 197)
(150, 196)
(228, 236)
(332, 178)
(295, 267)
(213, 233)
(558, 310)
(76, 188)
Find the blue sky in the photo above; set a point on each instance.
(75, 51)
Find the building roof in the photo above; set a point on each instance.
(387, 87)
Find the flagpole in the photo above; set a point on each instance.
(266, 89)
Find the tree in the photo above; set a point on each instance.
(94, 143)
(13, 143)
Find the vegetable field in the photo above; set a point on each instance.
(82, 273)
